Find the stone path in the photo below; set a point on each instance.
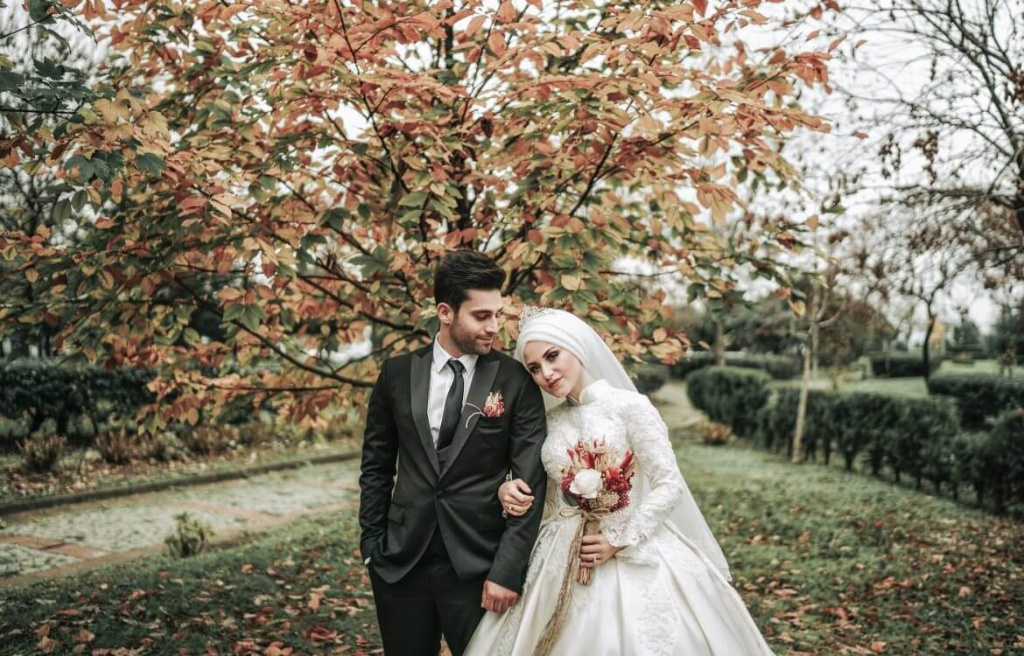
(45, 543)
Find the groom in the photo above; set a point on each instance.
(452, 418)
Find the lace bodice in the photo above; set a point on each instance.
(625, 420)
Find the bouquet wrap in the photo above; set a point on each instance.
(591, 500)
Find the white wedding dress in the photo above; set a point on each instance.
(660, 594)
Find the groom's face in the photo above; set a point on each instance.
(473, 327)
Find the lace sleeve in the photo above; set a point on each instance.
(647, 436)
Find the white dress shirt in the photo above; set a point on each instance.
(441, 379)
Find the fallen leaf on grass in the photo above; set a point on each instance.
(321, 633)
(84, 636)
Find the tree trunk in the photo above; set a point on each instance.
(719, 342)
(805, 388)
(927, 348)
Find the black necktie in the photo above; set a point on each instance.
(452, 406)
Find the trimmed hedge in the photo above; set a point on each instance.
(993, 462)
(650, 378)
(41, 390)
(902, 365)
(980, 396)
(729, 395)
(779, 367)
(911, 437)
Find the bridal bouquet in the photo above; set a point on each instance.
(596, 483)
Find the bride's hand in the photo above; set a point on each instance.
(596, 550)
(515, 497)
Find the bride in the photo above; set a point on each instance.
(660, 583)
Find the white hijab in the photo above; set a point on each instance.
(574, 335)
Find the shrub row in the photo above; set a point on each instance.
(729, 395)
(902, 365)
(779, 367)
(914, 437)
(41, 390)
(993, 461)
(980, 396)
(650, 378)
(908, 435)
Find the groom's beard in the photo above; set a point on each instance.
(467, 342)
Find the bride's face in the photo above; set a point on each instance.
(555, 370)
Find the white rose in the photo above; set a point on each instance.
(586, 483)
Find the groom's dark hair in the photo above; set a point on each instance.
(461, 271)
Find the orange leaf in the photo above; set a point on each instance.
(506, 12)
(496, 42)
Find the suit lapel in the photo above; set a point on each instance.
(483, 380)
(419, 388)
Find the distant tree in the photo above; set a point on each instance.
(964, 122)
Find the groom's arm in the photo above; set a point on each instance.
(526, 436)
(377, 473)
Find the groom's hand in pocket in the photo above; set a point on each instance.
(496, 598)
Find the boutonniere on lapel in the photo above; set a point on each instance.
(493, 407)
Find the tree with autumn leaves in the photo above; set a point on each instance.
(262, 189)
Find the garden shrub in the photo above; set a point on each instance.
(714, 433)
(190, 537)
(41, 454)
(118, 447)
(166, 447)
(979, 396)
(779, 367)
(730, 395)
(924, 432)
(207, 439)
(902, 365)
(650, 378)
(41, 390)
(994, 461)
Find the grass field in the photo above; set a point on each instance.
(852, 380)
(828, 562)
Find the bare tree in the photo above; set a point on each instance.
(950, 114)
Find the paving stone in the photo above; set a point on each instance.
(15, 559)
(283, 493)
(130, 523)
(118, 528)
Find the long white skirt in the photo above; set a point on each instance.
(661, 597)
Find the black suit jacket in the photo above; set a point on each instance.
(457, 493)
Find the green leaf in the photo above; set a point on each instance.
(150, 163)
(415, 199)
(11, 81)
(79, 200)
(251, 318)
(233, 312)
(440, 209)
(369, 265)
(336, 218)
(191, 336)
(38, 10)
(62, 211)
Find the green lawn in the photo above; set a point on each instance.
(302, 589)
(915, 386)
(834, 563)
(828, 562)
